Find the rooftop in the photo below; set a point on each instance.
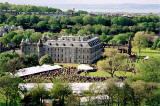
(36, 69)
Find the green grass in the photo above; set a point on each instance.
(2, 104)
(105, 74)
(147, 52)
(67, 64)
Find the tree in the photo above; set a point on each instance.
(35, 96)
(155, 43)
(4, 57)
(112, 90)
(41, 25)
(34, 19)
(88, 20)
(10, 90)
(35, 37)
(121, 38)
(46, 59)
(31, 60)
(114, 62)
(141, 40)
(149, 70)
(81, 12)
(17, 39)
(77, 19)
(105, 38)
(7, 38)
(12, 66)
(60, 91)
(142, 92)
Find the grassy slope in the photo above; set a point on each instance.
(105, 74)
(147, 52)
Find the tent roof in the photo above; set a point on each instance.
(76, 87)
(84, 67)
(146, 58)
(36, 69)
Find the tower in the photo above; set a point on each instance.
(40, 48)
(129, 46)
(22, 46)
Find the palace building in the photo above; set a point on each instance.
(67, 49)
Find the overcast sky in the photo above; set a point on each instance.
(52, 2)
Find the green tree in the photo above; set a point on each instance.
(35, 37)
(114, 62)
(13, 65)
(8, 37)
(88, 20)
(143, 92)
(121, 38)
(141, 40)
(155, 43)
(149, 70)
(35, 96)
(105, 38)
(4, 57)
(60, 91)
(31, 60)
(9, 90)
(34, 19)
(17, 39)
(46, 59)
(77, 19)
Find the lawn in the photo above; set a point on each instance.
(2, 104)
(105, 74)
(147, 52)
(67, 64)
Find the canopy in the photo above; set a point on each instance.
(84, 67)
(146, 58)
(36, 69)
(76, 87)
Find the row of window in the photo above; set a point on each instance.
(67, 50)
(71, 61)
(81, 45)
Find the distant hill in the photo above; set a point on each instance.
(135, 8)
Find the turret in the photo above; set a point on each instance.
(27, 40)
(48, 36)
(22, 46)
(129, 46)
(40, 43)
(22, 42)
(40, 48)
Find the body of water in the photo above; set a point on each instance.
(132, 8)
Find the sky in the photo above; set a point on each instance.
(52, 2)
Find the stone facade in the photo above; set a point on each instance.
(67, 49)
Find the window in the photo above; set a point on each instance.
(81, 45)
(73, 39)
(72, 45)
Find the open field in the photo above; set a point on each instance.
(147, 52)
(105, 74)
(67, 64)
(2, 104)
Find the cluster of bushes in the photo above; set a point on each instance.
(17, 36)
(84, 24)
(27, 8)
(10, 60)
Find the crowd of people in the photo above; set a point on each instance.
(70, 74)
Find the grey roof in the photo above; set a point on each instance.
(70, 41)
